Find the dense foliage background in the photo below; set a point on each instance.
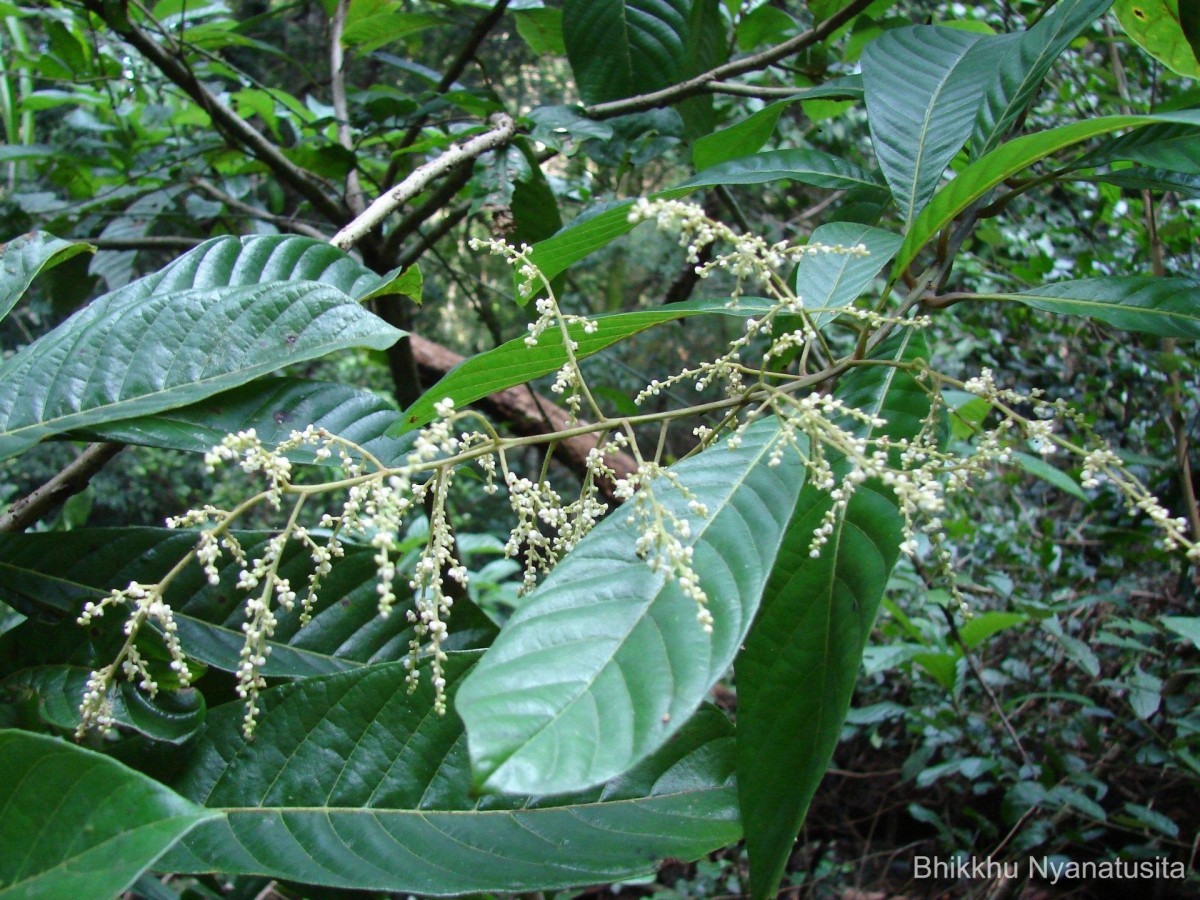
(1024, 173)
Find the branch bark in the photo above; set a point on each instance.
(337, 77)
(287, 224)
(503, 129)
(701, 83)
(71, 480)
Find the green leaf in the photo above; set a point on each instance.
(1039, 468)
(542, 30)
(618, 48)
(353, 782)
(1021, 72)
(125, 356)
(979, 628)
(1184, 626)
(605, 661)
(172, 717)
(1155, 26)
(1168, 307)
(923, 87)
(515, 363)
(1140, 178)
(1171, 147)
(22, 258)
(828, 282)
(376, 23)
(60, 572)
(273, 407)
(977, 179)
(813, 167)
(74, 823)
(750, 134)
(797, 672)
(230, 262)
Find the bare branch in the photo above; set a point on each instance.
(284, 222)
(71, 480)
(503, 128)
(701, 82)
(165, 242)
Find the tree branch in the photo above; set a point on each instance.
(701, 82)
(477, 36)
(165, 242)
(503, 128)
(230, 124)
(71, 480)
(284, 222)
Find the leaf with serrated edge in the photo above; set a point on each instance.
(127, 356)
(24, 257)
(605, 660)
(354, 782)
(923, 86)
(797, 672)
(75, 823)
(62, 571)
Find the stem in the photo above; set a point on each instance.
(337, 78)
(71, 480)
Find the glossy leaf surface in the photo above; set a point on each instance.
(106, 825)
(1156, 27)
(923, 87)
(605, 660)
(618, 48)
(797, 672)
(1021, 70)
(22, 258)
(354, 782)
(1169, 307)
(274, 408)
(126, 355)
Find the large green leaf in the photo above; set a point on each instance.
(1021, 71)
(514, 363)
(59, 572)
(1140, 178)
(230, 261)
(1156, 27)
(797, 672)
(1172, 147)
(923, 86)
(977, 179)
(22, 258)
(127, 355)
(828, 282)
(813, 167)
(273, 407)
(618, 48)
(74, 823)
(1169, 307)
(354, 782)
(605, 660)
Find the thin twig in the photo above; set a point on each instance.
(503, 128)
(71, 480)
(165, 242)
(284, 222)
(701, 82)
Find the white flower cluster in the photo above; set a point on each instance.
(96, 709)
